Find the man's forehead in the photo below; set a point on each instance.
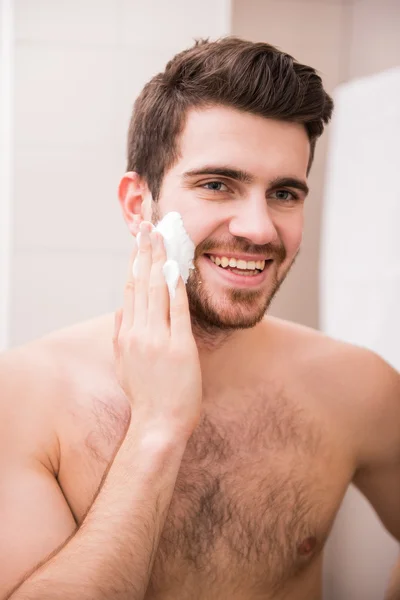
(251, 142)
(226, 121)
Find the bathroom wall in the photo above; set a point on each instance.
(6, 137)
(78, 68)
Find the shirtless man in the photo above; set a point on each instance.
(205, 452)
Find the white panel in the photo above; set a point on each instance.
(54, 290)
(64, 96)
(82, 21)
(360, 273)
(66, 199)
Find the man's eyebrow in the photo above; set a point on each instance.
(245, 177)
(229, 172)
(292, 182)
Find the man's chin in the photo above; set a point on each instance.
(228, 308)
(228, 314)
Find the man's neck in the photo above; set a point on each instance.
(209, 338)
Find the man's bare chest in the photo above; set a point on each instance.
(255, 496)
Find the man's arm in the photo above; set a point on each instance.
(112, 553)
(378, 473)
(35, 517)
(393, 591)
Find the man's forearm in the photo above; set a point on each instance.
(112, 553)
(393, 591)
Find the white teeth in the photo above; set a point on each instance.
(224, 261)
(251, 265)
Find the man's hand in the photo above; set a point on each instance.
(156, 355)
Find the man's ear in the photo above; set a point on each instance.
(131, 193)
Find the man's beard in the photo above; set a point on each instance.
(240, 308)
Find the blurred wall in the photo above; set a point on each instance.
(344, 40)
(6, 136)
(79, 64)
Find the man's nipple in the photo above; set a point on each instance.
(307, 546)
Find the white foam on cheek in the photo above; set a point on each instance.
(179, 249)
(171, 274)
(178, 245)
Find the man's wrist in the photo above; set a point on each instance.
(156, 436)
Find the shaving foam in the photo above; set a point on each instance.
(179, 249)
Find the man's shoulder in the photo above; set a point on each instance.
(42, 380)
(27, 386)
(355, 383)
(315, 346)
(52, 356)
(346, 371)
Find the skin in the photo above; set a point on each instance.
(247, 445)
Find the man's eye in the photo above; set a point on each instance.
(285, 195)
(215, 186)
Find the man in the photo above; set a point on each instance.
(205, 453)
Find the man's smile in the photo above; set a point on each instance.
(236, 271)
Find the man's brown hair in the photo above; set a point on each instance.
(252, 77)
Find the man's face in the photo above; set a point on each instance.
(229, 187)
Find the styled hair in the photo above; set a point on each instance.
(252, 77)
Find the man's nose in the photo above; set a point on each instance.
(254, 222)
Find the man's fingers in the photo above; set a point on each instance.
(146, 296)
(129, 291)
(158, 310)
(158, 290)
(142, 276)
(181, 325)
(117, 328)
